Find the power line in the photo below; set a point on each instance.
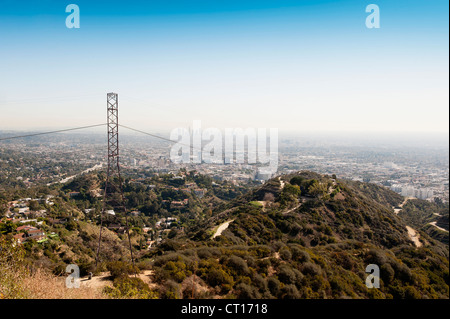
(91, 126)
(51, 132)
(146, 133)
(160, 137)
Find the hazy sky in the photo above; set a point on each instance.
(298, 65)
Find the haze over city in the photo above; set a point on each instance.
(297, 66)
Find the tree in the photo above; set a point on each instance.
(286, 275)
(285, 254)
(318, 189)
(173, 232)
(34, 205)
(171, 290)
(238, 264)
(274, 286)
(120, 268)
(8, 227)
(297, 180)
(290, 292)
(218, 277)
(289, 193)
(71, 225)
(245, 291)
(269, 197)
(130, 288)
(3, 207)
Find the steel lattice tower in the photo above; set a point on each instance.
(113, 193)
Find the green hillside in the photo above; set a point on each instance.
(301, 235)
(311, 238)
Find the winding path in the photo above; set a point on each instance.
(440, 228)
(397, 210)
(292, 209)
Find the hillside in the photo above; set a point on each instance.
(301, 235)
(308, 236)
(313, 211)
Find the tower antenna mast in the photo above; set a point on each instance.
(113, 193)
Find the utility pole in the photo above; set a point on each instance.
(113, 194)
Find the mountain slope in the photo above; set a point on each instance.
(306, 235)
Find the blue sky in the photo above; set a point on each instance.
(298, 65)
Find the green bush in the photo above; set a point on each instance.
(290, 292)
(310, 269)
(171, 290)
(119, 268)
(285, 254)
(238, 264)
(286, 275)
(274, 286)
(218, 277)
(298, 254)
(177, 270)
(387, 273)
(245, 291)
(130, 288)
(12, 269)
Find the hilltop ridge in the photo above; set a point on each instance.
(306, 235)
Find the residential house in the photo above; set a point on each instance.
(179, 204)
(29, 233)
(24, 210)
(36, 234)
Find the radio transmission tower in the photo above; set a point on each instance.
(113, 198)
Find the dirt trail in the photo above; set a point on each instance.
(146, 277)
(406, 199)
(97, 282)
(292, 209)
(397, 210)
(414, 236)
(440, 228)
(101, 281)
(221, 228)
(282, 183)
